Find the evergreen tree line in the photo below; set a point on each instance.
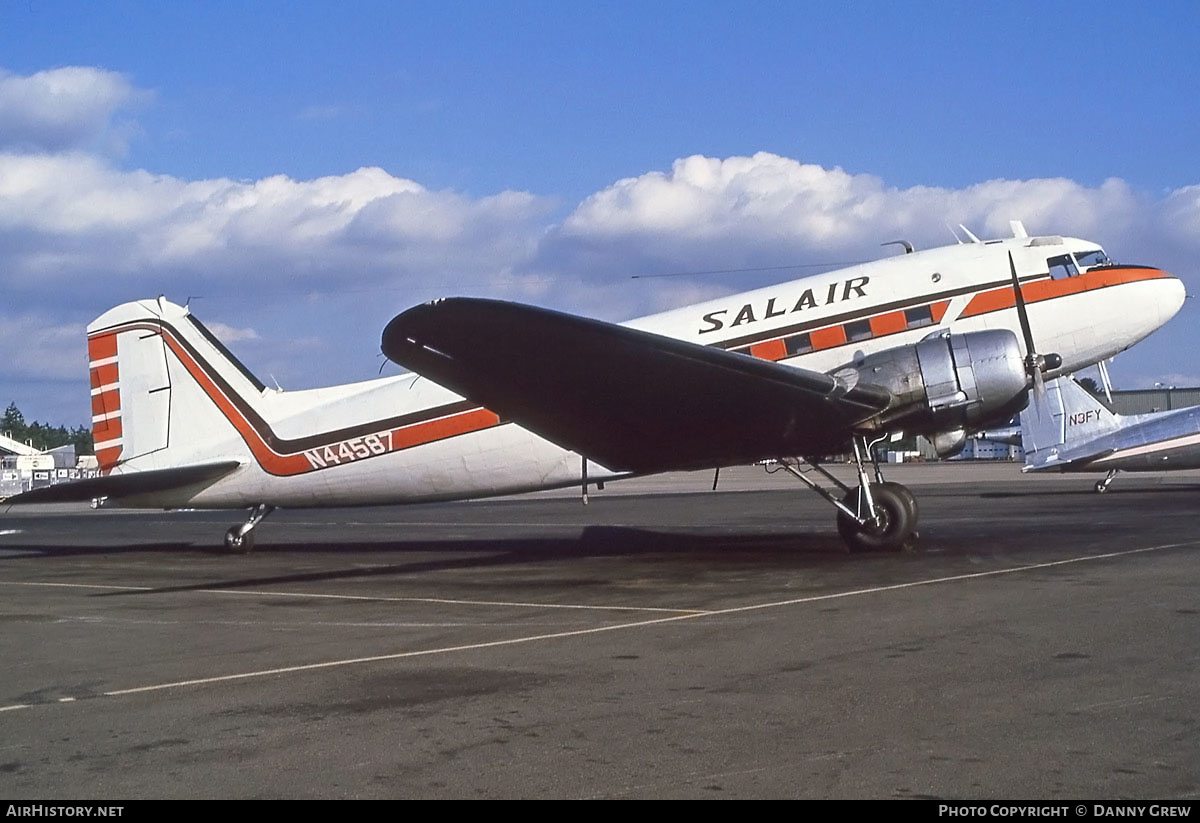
(43, 436)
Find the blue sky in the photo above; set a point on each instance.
(307, 170)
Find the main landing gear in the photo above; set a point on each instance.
(875, 516)
(1102, 485)
(240, 539)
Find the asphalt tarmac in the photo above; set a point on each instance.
(665, 641)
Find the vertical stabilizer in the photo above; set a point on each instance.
(1056, 428)
(157, 379)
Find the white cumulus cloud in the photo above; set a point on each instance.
(74, 218)
(65, 108)
(279, 260)
(765, 209)
(230, 334)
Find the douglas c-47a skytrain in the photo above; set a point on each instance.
(1069, 430)
(508, 398)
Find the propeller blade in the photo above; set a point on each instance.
(1022, 314)
(1036, 364)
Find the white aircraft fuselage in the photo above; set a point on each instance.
(166, 394)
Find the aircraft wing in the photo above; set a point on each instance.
(627, 399)
(126, 485)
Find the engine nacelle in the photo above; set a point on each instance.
(948, 382)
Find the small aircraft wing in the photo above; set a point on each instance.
(126, 485)
(627, 399)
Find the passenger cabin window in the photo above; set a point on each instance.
(798, 344)
(858, 330)
(918, 317)
(1062, 267)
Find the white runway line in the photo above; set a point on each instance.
(448, 602)
(73, 586)
(322, 596)
(330, 664)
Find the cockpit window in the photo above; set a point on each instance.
(1090, 259)
(1062, 267)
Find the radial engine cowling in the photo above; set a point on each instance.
(947, 383)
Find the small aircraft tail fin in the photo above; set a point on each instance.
(1056, 427)
(164, 390)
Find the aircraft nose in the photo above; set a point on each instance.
(1171, 297)
(1141, 299)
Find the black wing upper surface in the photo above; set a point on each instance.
(627, 399)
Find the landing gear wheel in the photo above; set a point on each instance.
(909, 498)
(893, 526)
(1101, 486)
(238, 543)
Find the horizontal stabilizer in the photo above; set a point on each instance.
(1068, 463)
(627, 399)
(127, 485)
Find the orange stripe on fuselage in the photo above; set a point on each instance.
(770, 350)
(889, 323)
(1040, 290)
(419, 434)
(827, 338)
(882, 325)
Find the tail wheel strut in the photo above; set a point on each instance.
(240, 539)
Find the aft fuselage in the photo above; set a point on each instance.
(1158, 441)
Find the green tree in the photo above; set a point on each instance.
(13, 421)
(43, 436)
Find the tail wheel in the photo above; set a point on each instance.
(238, 543)
(896, 518)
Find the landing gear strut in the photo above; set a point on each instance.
(1102, 485)
(875, 515)
(240, 539)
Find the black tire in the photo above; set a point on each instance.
(895, 524)
(1101, 487)
(238, 543)
(914, 511)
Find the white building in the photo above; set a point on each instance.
(22, 467)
